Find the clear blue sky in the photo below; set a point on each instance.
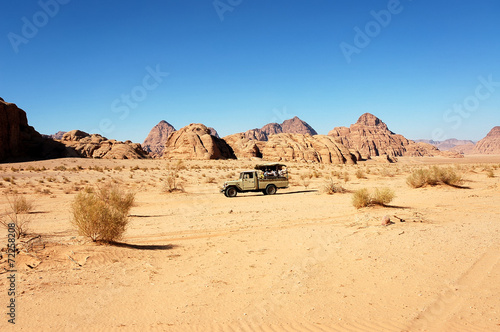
(240, 64)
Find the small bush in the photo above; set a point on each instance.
(330, 187)
(360, 174)
(18, 215)
(418, 178)
(382, 196)
(363, 198)
(434, 176)
(102, 214)
(490, 173)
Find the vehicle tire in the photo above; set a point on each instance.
(271, 189)
(231, 192)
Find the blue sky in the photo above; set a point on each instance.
(428, 69)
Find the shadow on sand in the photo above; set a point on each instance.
(144, 246)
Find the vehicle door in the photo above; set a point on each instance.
(248, 181)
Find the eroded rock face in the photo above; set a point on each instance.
(81, 144)
(307, 148)
(21, 142)
(243, 147)
(157, 137)
(291, 126)
(195, 142)
(371, 137)
(490, 144)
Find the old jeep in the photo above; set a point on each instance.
(265, 178)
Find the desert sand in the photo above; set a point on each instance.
(300, 260)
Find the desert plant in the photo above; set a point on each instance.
(434, 176)
(360, 174)
(418, 178)
(330, 187)
(361, 198)
(490, 173)
(382, 196)
(172, 184)
(102, 214)
(18, 215)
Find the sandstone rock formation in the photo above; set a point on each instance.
(292, 126)
(371, 137)
(195, 142)
(155, 142)
(19, 141)
(81, 144)
(299, 147)
(243, 146)
(490, 144)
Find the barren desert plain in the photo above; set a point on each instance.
(300, 260)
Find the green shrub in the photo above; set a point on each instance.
(102, 214)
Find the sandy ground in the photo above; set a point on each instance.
(300, 260)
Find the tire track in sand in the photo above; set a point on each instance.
(439, 315)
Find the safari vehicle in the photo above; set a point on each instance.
(265, 178)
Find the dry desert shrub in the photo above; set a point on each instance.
(490, 173)
(434, 176)
(360, 174)
(172, 182)
(102, 214)
(363, 197)
(18, 215)
(330, 187)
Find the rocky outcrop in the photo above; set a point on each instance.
(19, 141)
(81, 144)
(297, 126)
(291, 126)
(490, 144)
(307, 148)
(195, 142)
(243, 147)
(157, 137)
(371, 137)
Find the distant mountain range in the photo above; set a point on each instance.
(292, 140)
(451, 144)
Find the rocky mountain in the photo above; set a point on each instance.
(300, 147)
(371, 137)
(449, 144)
(490, 144)
(81, 144)
(58, 135)
(291, 126)
(196, 142)
(19, 141)
(157, 137)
